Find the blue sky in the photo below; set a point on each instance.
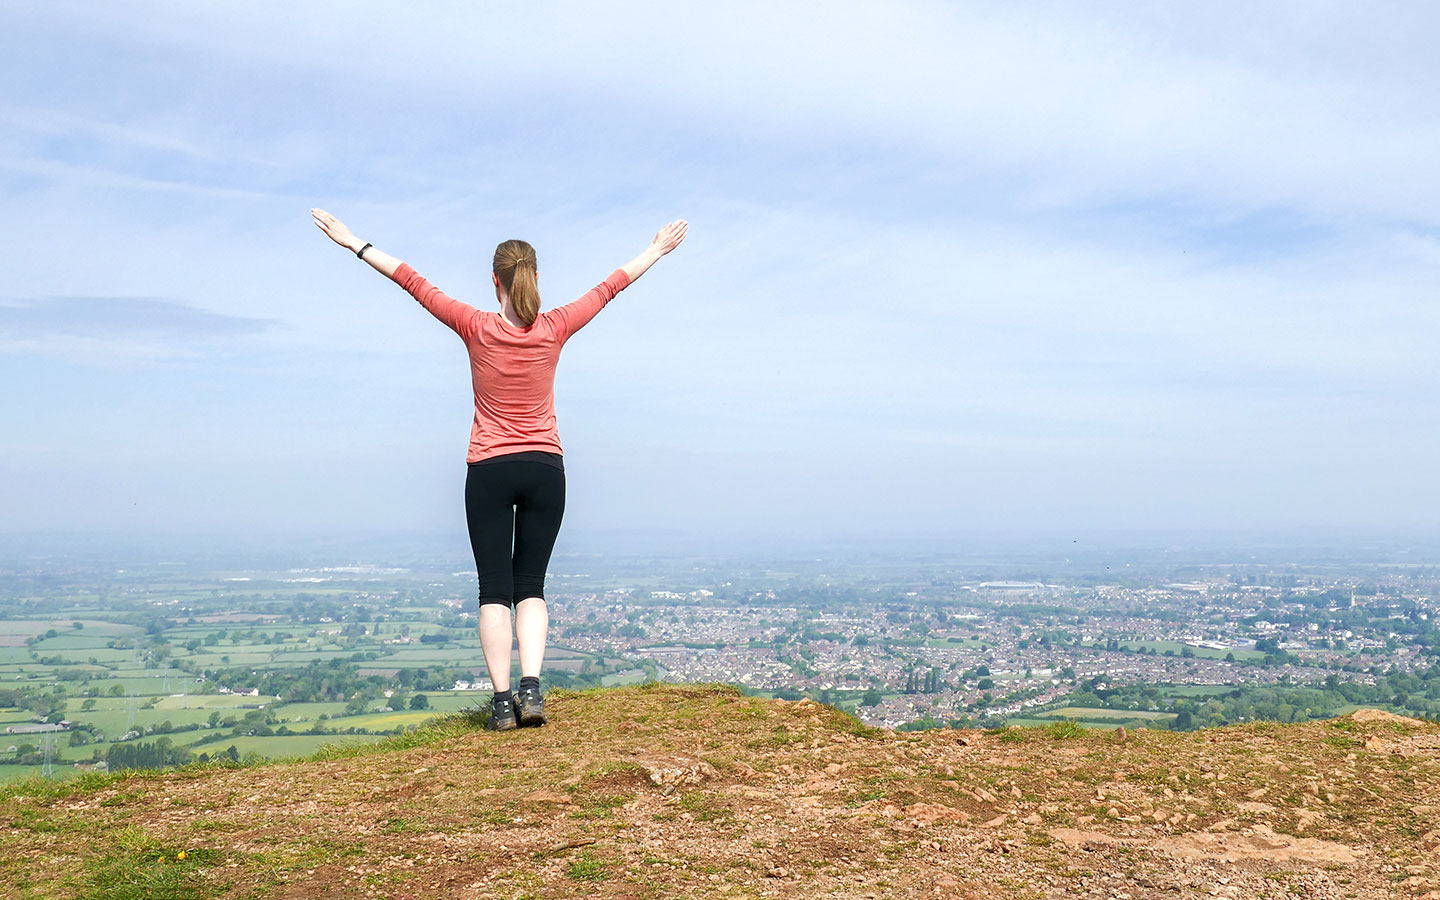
(951, 268)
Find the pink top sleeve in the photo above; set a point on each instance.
(459, 316)
(571, 317)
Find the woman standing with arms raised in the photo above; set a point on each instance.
(515, 486)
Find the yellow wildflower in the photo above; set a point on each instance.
(180, 855)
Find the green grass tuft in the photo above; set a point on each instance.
(587, 868)
(142, 868)
(1064, 729)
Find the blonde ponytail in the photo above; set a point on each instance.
(515, 265)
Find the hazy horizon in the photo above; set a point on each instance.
(953, 269)
(1063, 550)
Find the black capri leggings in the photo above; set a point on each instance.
(513, 506)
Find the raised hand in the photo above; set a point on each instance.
(669, 237)
(336, 230)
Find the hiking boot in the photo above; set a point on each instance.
(502, 715)
(531, 706)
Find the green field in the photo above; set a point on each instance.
(279, 746)
(455, 701)
(1195, 690)
(1027, 722)
(210, 701)
(100, 654)
(1090, 712)
(10, 714)
(1177, 647)
(14, 773)
(111, 716)
(953, 643)
(633, 676)
(85, 664)
(32, 627)
(72, 640)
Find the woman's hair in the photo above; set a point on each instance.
(515, 264)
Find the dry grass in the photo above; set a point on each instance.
(696, 791)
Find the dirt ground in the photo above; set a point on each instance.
(666, 791)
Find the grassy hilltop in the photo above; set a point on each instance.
(697, 791)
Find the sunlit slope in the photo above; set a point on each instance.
(696, 791)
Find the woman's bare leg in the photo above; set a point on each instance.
(496, 641)
(532, 622)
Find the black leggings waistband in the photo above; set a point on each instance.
(540, 456)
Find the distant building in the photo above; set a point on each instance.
(1011, 587)
(35, 729)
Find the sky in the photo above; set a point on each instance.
(952, 268)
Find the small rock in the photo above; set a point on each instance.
(673, 771)
(930, 813)
(547, 797)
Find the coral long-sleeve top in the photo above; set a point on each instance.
(512, 369)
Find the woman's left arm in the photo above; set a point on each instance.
(381, 261)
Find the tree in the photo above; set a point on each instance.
(871, 697)
(419, 701)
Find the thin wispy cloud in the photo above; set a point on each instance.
(110, 330)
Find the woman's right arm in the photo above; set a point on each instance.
(666, 240)
(460, 317)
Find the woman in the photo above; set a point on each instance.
(515, 486)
